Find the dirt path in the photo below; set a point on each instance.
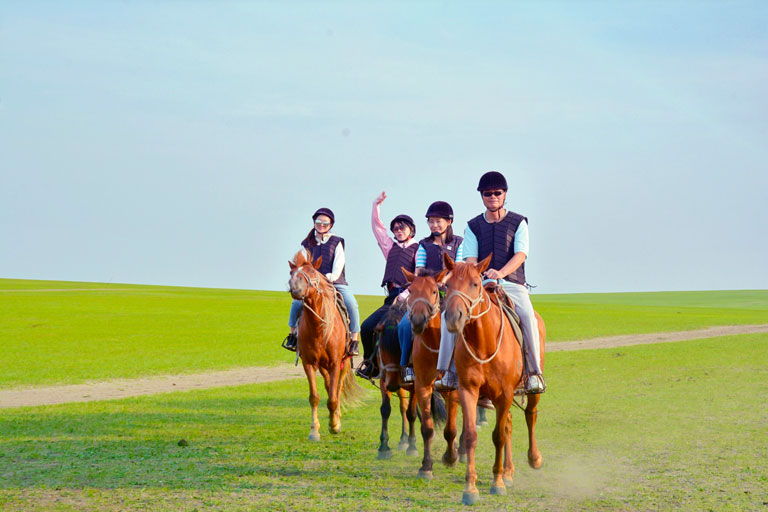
(123, 388)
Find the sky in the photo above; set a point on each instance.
(189, 142)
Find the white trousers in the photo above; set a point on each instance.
(530, 326)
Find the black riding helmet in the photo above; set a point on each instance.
(492, 180)
(405, 219)
(440, 209)
(324, 211)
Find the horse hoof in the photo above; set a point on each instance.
(449, 462)
(535, 463)
(402, 445)
(385, 455)
(426, 475)
(335, 430)
(463, 458)
(498, 490)
(508, 480)
(314, 437)
(412, 451)
(483, 423)
(470, 498)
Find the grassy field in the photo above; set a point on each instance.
(654, 427)
(67, 332)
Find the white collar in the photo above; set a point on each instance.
(324, 238)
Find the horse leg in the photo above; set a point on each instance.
(314, 399)
(403, 444)
(332, 386)
(534, 456)
(411, 414)
(469, 409)
(462, 444)
(386, 409)
(500, 438)
(424, 395)
(509, 466)
(451, 454)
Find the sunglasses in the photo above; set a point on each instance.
(489, 193)
(399, 227)
(322, 223)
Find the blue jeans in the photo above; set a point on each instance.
(349, 301)
(405, 334)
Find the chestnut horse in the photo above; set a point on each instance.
(389, 384)
(489, 361)
(322, 341)
(424, 314)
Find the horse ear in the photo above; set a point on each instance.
(439, 277)
(292, 265)
(448, 261)
(483, 265)
(409, 276)
(318, 262)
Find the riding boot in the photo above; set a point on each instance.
(353, 348)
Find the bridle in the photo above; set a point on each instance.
(471, 303)
(433, 309)
(312, 283)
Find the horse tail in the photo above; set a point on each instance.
(439, 413)
(351, 392)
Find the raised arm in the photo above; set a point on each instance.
(379, 229)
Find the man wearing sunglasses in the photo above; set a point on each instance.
(505, 234)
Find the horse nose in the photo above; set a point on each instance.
(418, 322)
(454, 319)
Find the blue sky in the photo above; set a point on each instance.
(188, 143)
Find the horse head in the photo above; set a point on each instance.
(463, 291)
(424, 299)
(305, 278)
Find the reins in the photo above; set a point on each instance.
(471, 303)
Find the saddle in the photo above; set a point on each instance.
(343, 311)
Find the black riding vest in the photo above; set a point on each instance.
(498, 238)
(327, 251)
(399, 257)
(435, 252)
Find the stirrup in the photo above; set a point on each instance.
(365, 370)
(290, 342)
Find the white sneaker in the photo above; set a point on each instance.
(449, 382)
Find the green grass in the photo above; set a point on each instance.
(67, 332)
(655, 427)
(582, 316)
